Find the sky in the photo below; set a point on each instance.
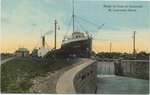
(24, 21)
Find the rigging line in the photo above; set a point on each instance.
(88, 21)
(78, 26)
(114, 40)
(81, 26)
(100, 27)
(69, 25)
(38, 43)
(47, 45)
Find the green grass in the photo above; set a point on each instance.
(16, 75)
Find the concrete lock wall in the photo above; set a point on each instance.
(80, 79)
(86, 79)
(132, 68)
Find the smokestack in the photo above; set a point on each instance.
(43, 41)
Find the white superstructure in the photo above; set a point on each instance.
(76, 36)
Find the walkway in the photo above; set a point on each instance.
(6, 60)
(65, 83)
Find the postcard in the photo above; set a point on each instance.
(75, 47)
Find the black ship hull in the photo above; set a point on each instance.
(80, 48)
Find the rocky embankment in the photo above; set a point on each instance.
(48, 83)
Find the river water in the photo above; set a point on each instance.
(109, 83)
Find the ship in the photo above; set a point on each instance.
(41, 51)
(78, 44)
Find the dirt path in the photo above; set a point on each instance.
(6, 60)
(48, 84)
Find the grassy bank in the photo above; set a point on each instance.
(16, 74)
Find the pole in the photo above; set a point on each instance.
(110, 45)
(43, 41)
(55, 34)
(134, 51)
(73, 15)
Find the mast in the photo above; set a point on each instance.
(55, 34)
(73, 15)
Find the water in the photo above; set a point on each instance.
(109, 83)
(122, 85)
